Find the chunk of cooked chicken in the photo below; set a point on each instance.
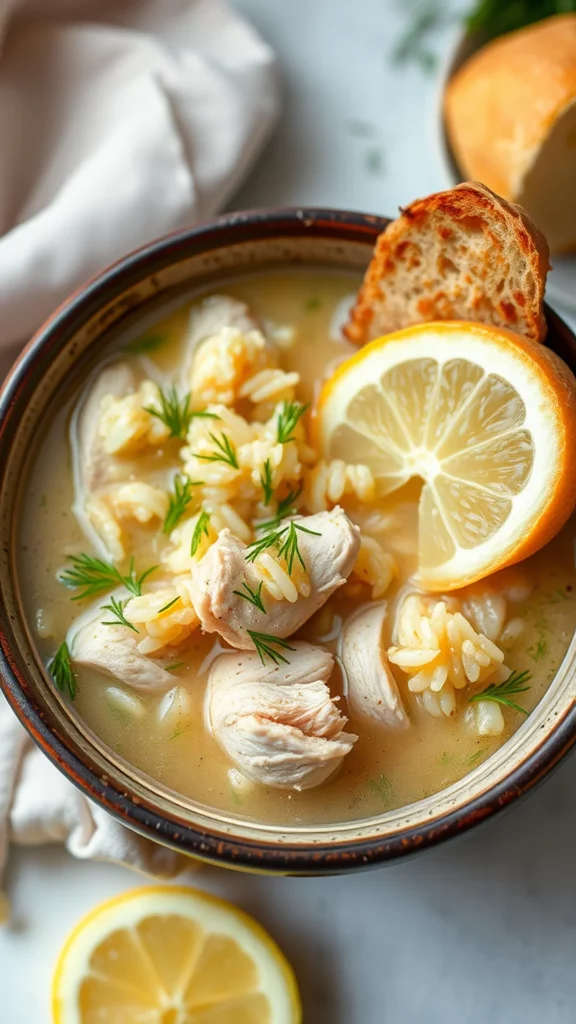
(328, 553)
(114, 651)
(93, 466)
(372, 690)
(278, 723)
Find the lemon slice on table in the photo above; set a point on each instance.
(170, 955)
(484, 417)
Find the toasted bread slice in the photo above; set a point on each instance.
(464, 254)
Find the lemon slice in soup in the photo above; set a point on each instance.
(172, 955)
(484, 417)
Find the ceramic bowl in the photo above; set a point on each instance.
(561, 284)
(62, 348)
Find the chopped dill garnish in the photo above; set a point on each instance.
(169, 605)
(266, 482)
(285, 539)
(179, 501)
(175, 666)
(495, 17)
(252, 596)
(312, 304)
(226, 451)
(149, 343)
(202, 529)
(382, 787)
(538, 650)
(476, 757)
(94, 575)
(179, 731)
(284, 509)
(176, 413)
(501, 693)
(265, 643)
(117, 608)
(258, 546)
(288, 418)
(60, 668)
(290, 549)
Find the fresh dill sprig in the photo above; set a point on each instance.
(179, 501)
(169, 605)
(202, 529)
(501, 693)
(252, 596)
(176, 413)
(116, 608)
(288, 417)
(258, 546)
(60, 668)
(266, 482)
(149, 343)
(94, 575)
(290, 549)
(176, 665)
(284, 509)
(265, 643)
(226, 451)
(286, 540)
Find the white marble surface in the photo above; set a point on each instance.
(483, 929)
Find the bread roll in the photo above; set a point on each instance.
(511, 118)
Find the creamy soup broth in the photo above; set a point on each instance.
(385, 769)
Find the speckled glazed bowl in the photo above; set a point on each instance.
(62, 347)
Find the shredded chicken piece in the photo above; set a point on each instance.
(328, 554)
(372, 691)
(113, 650)
(278, 724)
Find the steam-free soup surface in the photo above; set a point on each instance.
(385, 769)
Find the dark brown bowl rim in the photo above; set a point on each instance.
(217, 847)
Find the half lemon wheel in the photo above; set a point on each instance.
(172, 955)
(485, 418)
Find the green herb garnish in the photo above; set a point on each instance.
(538, 650)
(285, 539)
(116, 608)
(202, 529)
(176, 665)
(258, 546)
(289, 415)
(60, 668)
(226, 451)
(167, 606)
(312, 304)
(382, 787)
(375, 163)
(179, 501)
(517, 682)
(94, 575)
(252, 596)
(284, 509)
(149, 343)
(266, 482)
(176, 412)
(265, 643)
(290, 549)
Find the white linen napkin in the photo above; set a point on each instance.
(122, 120)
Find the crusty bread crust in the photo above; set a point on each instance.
(463, 254)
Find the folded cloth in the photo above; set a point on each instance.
(121, 120)
(38, 805)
